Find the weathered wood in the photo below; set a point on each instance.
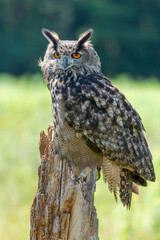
(63, 207)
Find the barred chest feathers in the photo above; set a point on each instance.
(68, 143)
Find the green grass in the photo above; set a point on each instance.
(25, 110)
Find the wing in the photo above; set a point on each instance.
(101, 115)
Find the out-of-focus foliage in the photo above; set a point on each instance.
(127, 33)
(25, 108)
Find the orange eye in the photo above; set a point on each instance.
(76, 55)
(57, 55)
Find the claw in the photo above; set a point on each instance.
(80, 176)
(84, 173)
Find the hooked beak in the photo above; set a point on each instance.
(65, 63)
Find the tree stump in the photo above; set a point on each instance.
(63, 207)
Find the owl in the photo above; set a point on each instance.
(94, 124)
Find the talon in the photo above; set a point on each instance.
(80, 176)
(84, 173)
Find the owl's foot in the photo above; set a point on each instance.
(84, 173)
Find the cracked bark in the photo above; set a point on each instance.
(63, 208)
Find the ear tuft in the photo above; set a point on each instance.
(84, 37)
(51, 37)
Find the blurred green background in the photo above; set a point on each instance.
(127, 33)
(126, 37)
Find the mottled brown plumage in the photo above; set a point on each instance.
(93, 122)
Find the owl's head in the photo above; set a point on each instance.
(67, 55)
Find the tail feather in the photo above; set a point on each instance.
(111, 174)
(125, 190)
(121, 180)
(138, 180)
